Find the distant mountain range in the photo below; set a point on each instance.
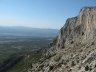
(25, 31)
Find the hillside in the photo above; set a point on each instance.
(74, 50)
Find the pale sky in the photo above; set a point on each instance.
(40, 13)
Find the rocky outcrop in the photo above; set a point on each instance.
(74, 50)
(81, 27)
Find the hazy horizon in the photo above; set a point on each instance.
(27, 27)
(50, 14)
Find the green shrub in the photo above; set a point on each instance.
(57, 57)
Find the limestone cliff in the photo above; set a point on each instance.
(81, 27)
(74, 50)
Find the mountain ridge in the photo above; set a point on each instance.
(74, 49)
(81, 25)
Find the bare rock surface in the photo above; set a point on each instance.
(74, 50)
(81, 27)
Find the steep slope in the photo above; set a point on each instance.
(82, 27)
(74, 50)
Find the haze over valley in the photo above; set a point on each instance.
(18, 42)
(47, 36)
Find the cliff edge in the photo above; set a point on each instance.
(74, 49)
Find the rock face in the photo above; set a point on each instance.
(81, 27)
(74, 50)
